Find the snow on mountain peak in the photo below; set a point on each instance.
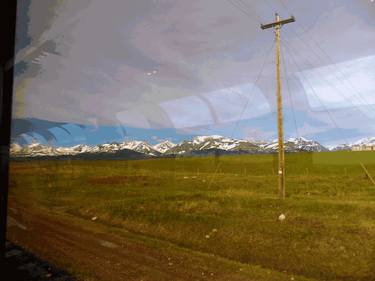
(35, 144)
(299, 139)
(197, 145)
(164, 146)
(200, 139)
(366, 141)
(297, 144)
(15, 148)
(140, 146)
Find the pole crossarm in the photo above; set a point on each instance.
(277, 23)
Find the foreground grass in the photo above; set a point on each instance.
(226, 206)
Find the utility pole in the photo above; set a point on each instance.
(277, 26)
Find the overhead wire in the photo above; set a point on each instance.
(254, 84)
(246, 7)
(357, 94)
(284, 5)
(253, 10)
(338, 90)
(289, 92)
(266, 56)
(350, 84)
(244, 11)
(270, 7)
(242, 6)
(294, 61)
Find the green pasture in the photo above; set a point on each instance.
(226, 206)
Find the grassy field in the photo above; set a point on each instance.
(227, 206)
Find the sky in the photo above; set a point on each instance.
(163, 69)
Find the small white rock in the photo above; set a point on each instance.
(282, 217)
(94, 218)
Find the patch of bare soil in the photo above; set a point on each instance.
(96, 254)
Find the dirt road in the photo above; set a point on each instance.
(95, 252)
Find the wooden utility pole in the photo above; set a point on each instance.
(277, 26)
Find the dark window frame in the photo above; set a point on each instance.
(8, 11)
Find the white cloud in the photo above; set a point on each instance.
(90, 59)
(344, 85)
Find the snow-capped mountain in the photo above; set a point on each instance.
(164, 146)
(140, 146)
(215, 142)
(197, 145)
(37, 149)
(366, 141)
(340, 147)
(362, 144)
(15, 148)
(73, 150)
(297, 144)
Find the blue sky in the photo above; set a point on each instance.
(161, 69)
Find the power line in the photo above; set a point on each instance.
(289, 92)
(242, 10)
(333, 65)
(245, 5)
(339, 91)
(287, 10)
(341, 73)
(254, 84)
(284, 5)
(357, 94)
(267, 54)
(269, 5)
(313, 90)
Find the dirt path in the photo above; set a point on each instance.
(93, 252)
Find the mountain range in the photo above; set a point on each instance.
(200, 145)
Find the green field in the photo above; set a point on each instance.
(227, 206)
